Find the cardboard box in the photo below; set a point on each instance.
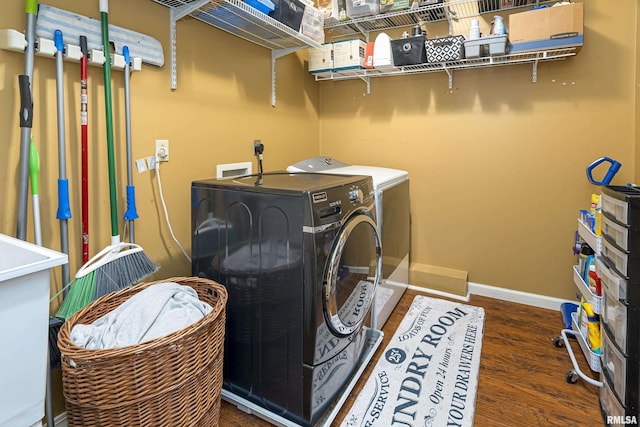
(349, 54)
(321, 59)
(547, 27)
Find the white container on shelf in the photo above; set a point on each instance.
(24, 329)
(594, 300)
(588, 236)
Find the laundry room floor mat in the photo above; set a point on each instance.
(427, 375)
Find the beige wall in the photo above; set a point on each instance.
(223, 103)
(497, 167)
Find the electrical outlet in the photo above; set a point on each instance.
(258, 147)
(162, 149)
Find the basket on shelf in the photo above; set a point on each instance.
(175, 380)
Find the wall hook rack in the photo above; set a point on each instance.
(16, 41)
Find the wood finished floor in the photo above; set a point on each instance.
(522, 374)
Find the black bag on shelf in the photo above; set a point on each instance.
(409, 51)
(289, 12)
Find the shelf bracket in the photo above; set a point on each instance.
(367, 80)
(450, 74)
(451, 16)
(175, 14)
(275, 54)
(534, 74)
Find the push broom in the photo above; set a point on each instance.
(120, 264)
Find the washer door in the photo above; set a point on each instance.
(352, 274)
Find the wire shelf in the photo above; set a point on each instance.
(438, 11)
(490, 61)
(244, 21)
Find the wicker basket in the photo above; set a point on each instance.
(173, 381)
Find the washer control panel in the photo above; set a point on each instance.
(355, 194)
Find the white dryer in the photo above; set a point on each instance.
(391, 188)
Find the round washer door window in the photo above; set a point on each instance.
(352, 274)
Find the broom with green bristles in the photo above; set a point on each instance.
(120, 264)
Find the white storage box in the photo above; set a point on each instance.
(349, 54)
(24, 334)
(321, 59)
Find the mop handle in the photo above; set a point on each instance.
(104, 20)
(26, 103)
(31, 7)
(64, 209)
(131, 213)
(34, 169)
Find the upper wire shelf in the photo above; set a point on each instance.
(451, 9)
(244, 21)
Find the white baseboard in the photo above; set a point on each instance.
(503, 294)
(440, 293)
(60, 420)
(535, 300)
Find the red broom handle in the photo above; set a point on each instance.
(85, 155)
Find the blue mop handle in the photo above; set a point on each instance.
(125, 53)
(64, 209)
(57, 40)
(613, 169)
(131, 212)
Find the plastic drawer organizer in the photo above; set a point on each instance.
(576, 331)
(619, 270)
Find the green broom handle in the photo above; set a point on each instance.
(31, 7)
(104, 20)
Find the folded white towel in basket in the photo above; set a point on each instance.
(154, 312)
